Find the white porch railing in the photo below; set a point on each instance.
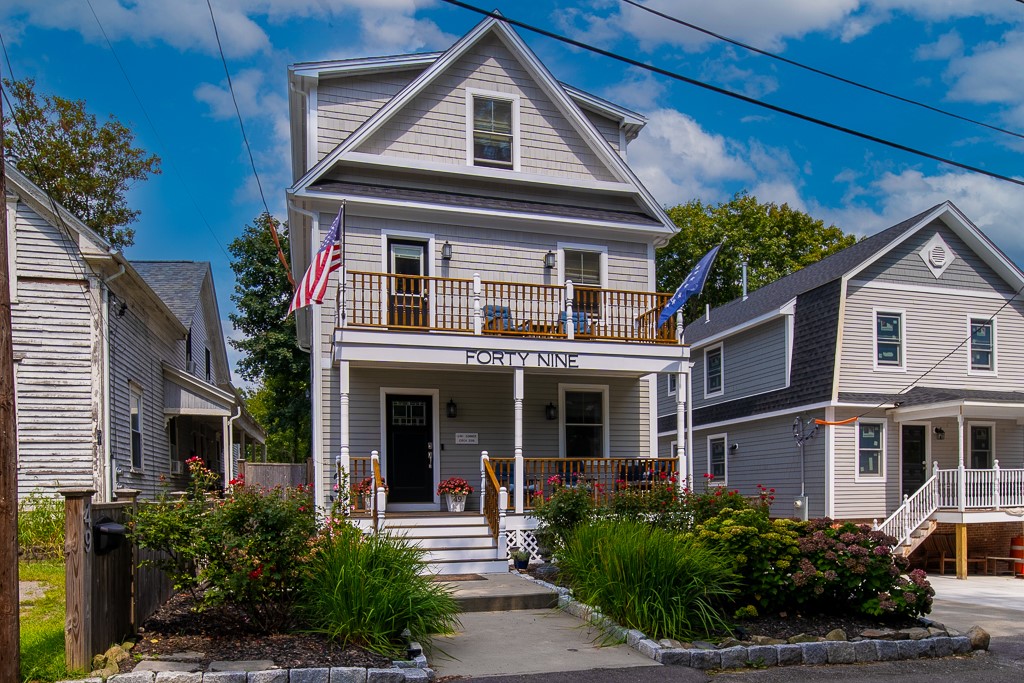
(971, 489)
(915, 511)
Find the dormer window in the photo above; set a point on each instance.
(492, 130)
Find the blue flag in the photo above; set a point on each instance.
(693, 283)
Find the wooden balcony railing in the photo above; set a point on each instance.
(601, 476)
(475, 306)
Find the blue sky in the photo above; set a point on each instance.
(960, 55)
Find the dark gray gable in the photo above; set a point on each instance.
(774, 295)
(177, 283)
(815, 332)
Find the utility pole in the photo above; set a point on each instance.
(10, 647)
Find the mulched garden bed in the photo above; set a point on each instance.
(787, 626)
(220, 634)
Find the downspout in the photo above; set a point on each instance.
(108, 454)
(229, 443)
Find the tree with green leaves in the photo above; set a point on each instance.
(272, 359)
(86, 167)
(774, 240)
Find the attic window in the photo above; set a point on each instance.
(492, 128)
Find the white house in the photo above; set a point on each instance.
(120, 368)
(498, 289)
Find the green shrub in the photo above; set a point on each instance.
(565, 509)
(256, 542)
(664, 584)
(848, 567)
(41, 526)
(365, 590)
(660, 504)
(762, 552)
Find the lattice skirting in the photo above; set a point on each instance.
(522, 538)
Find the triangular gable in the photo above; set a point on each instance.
(973, 237)
(543, 78)
(427, 125)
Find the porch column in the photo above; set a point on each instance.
(518, 383)
(961, 474)
(689, 422)
(681, 403)
(343, 418)
(961, 550)
(225, 440)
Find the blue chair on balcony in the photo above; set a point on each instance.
(499, 319)
(580, 322)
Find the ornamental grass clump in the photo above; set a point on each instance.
(664, 584)
(365, 590)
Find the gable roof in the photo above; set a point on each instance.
(848, 262)
(178, 283)
(552, 88)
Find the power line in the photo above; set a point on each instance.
(820, 72)
(735, 95)
(245, 139)
(145, 113)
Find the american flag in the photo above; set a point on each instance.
(327, 260)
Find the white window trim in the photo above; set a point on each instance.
(435, 394)
(672, 448)
(994, 372)
(992, 440)
(573, 246)
(883, 456)
(12, 247)
(135, 389)
(429, 256)
(875, 312)
(670, 377)
(605, 412)
(721, 351)
(928, 436)
(495, 95)
(724, 437)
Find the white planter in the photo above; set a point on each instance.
(456, 503)
(368, 501)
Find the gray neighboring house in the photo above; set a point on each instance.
(916, 332)
(108, 394)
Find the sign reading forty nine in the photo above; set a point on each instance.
(525, 359)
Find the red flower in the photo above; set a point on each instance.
(256, 573)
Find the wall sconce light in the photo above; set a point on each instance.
(734, 447)
(446, 251)
(551, 412)
(451, 410)
(940, 433)
(549, 260)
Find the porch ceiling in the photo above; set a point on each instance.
(972, 410)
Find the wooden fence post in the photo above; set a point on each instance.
(242, 474)
(78, 577)
(131, 497)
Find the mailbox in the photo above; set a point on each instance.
(107, 535)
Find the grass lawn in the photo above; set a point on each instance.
(42, 623)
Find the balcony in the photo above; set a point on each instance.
(412, 303)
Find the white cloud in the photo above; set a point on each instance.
(948, 45)
(640, 91)
(991, 73)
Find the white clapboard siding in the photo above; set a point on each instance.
(433, 125)
(868, 497)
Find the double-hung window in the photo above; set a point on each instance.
(889, 339)
(493, 132)
(584, 424)
(713, 371)
(583, 268)
(870, 448)
(983, 348)
(135, 425)
(717, 466)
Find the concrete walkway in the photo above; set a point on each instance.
(996, 603)
(522, 641)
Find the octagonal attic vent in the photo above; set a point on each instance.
(937, 255)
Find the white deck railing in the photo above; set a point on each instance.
(915, 511)
(971, 489)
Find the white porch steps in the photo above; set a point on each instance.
(454, 543)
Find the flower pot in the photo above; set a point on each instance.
(456, 503)
(368, 501)
(521, 564)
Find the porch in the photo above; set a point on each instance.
(497, 308)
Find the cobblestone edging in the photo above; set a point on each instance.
(741, 656)
(409, 671)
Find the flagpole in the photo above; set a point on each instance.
(342, 274)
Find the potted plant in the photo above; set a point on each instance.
(364, 489)
(455, 489)
(521, 558)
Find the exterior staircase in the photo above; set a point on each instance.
(454, 543)
(913, 521)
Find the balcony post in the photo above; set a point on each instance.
(681, 452)
(342, 292)
(478, 323)
(483, 480)
(570, 328)
(995, 484)
(518, 391)
(961, 473)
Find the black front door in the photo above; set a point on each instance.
(914, 458)
(407, 297)
(410, 459)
